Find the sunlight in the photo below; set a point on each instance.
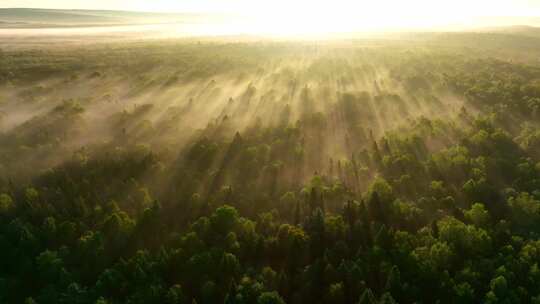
(269, 151)
(313, 17)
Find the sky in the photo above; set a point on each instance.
(328, 14)
(408, 7)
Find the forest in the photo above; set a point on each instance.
(233, 170)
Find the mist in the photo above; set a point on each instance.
(276, 157)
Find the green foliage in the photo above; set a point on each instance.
(270, 298)
(270, 173)
(478, 215)
(6, 203)
(525, 211)
(464, 238)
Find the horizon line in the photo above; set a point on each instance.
(204, 12)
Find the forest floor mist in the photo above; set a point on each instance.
(371, 168)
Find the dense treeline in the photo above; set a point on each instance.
(328, 201)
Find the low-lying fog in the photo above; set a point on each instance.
(169, 94)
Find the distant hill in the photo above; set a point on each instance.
(58, 16)
(29, 17)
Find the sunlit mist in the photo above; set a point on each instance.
(269, 152)
(316, 17)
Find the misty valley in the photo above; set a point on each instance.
(388, 168)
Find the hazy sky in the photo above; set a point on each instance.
(408, 7)
(319, 14)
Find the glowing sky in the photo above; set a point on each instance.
(315, 14)
(415, 7)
